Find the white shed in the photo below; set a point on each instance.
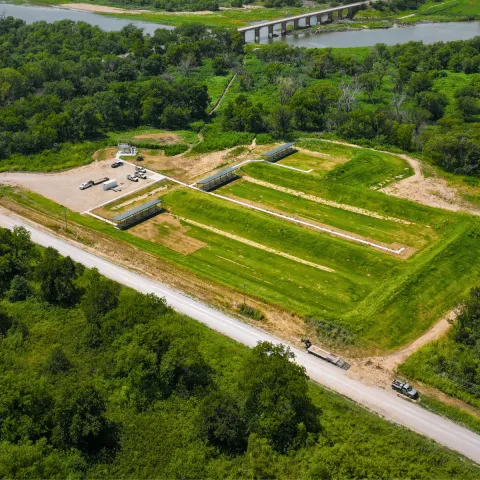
(109, 184)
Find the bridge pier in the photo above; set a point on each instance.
(350, 13)
(330, 17)
(295, 24)
(270, 31)
(340, 15)
(307, 21)
(257, 35)
(283, 28)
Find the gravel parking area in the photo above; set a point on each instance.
(63, 187)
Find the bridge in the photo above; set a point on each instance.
(320, 16)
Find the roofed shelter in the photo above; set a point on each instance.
(217, 179)
(138, 214)
(279, 152)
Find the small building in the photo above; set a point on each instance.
(138, 214)
(279, 152)
(217, 179)
(109, 184)
(126, 149)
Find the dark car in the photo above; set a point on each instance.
(140, 158)
(117, 164)
(405, 389)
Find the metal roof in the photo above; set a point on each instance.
(216, 175)
(136, 210)
(278, 149)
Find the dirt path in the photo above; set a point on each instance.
(432, 191)
(223, 94)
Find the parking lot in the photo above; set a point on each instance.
(63, 187)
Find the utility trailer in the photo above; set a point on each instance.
(324, 355)
(100, 180)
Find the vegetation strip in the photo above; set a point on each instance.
(330, 203)
(257, 245)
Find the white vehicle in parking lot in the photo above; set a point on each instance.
(140, 169)
(85, 185)
(132, 178)
(141, 175)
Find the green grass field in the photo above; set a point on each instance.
(382, 300)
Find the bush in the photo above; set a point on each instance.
(251, 312)
(171, 150)
(19, 289)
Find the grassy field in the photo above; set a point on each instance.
(454, 10)
(381, 300)
(376, 229)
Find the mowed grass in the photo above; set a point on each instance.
(351, 184)
(353, 260)
(381, 230)
(453, 10)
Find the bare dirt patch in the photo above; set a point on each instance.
(168, 231)
(63, 187)
(163, 138)
(188, 168)
(105, 154)
(432, 191)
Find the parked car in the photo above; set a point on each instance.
(140, 158)
(140, 175)
(133, 178)
(85, 185)
(117, 164)
(405, 389)
(138, 168)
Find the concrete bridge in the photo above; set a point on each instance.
(320, 16)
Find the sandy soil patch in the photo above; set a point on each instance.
(105, 154)
(433, 191)
(168, 231)
(63, 188)
(87, 7)
(163, 138)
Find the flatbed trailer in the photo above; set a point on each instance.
(100, 180)
(328, 357)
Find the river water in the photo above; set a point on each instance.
(48, 14)
(428, 33)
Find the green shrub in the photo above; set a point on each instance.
(251, 312)
(171, 150)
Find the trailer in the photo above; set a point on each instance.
(109, 184)
(100, 180)
(325, 355)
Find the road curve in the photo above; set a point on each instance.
(385, 403)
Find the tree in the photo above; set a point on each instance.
(57, 362)
(57, 278)
(433, 102)
(20, 289)
(275, 395)
(5, 323)
(369, 82)
(100, 296)
(223, 424)
(80, 421)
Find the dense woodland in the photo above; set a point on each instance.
(99, 381)
(69, 82)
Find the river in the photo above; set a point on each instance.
(32, 14)
(428, 33)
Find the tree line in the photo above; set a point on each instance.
(67, 81)
(391, 96)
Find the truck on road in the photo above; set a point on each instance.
(405, 389)
(324, 355)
